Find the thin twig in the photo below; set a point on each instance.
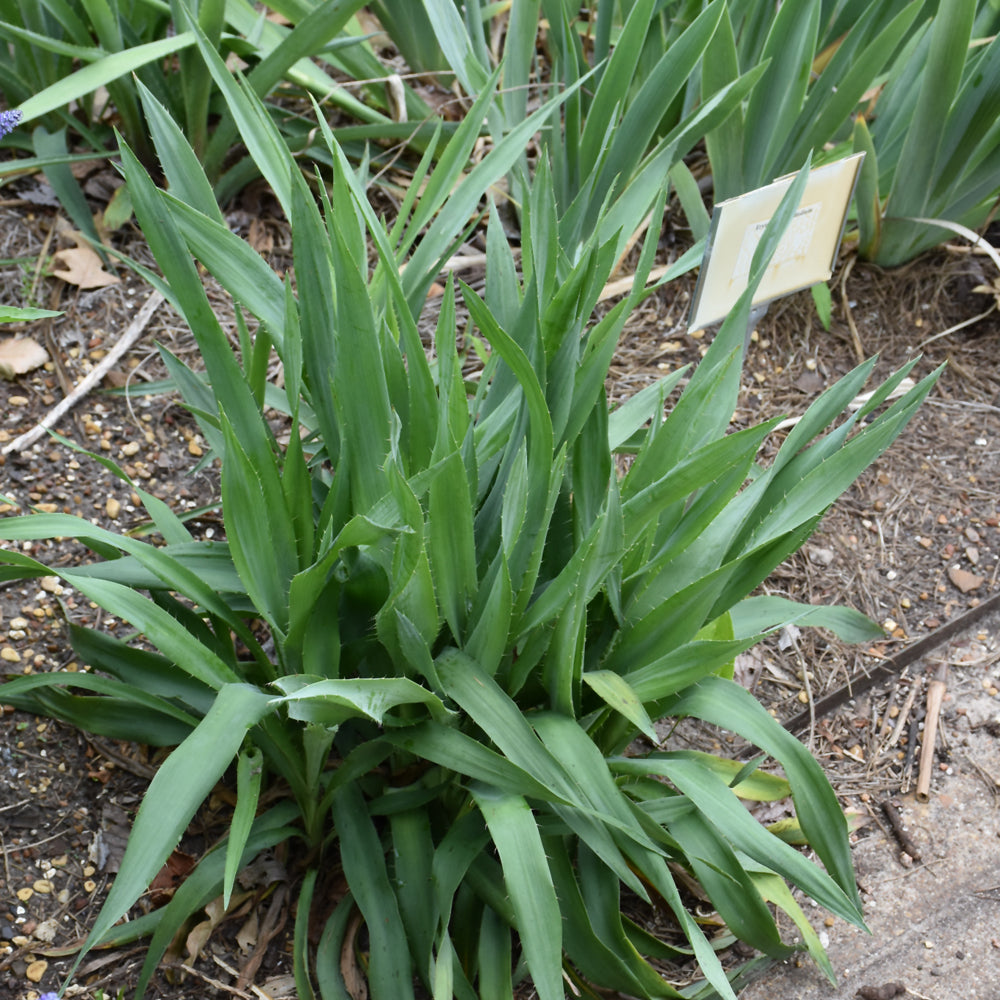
(40, 264)
(956, 327)
(912, 871)
(990, 779)
(6, 862)
(807, 687)
(903, 716)
(93, 377)
(855, 338)
(887, 716)
(255, 990)
(911, 746)
(622, 286)
(135, 767)
(215, 983)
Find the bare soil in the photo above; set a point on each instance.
(912, 544)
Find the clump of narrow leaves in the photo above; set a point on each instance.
(933, 145)
(816, 64)
(469, 612)
(76, 69)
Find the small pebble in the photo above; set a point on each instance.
(36, 970)
(10, 654)
(46, 931)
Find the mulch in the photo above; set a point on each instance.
(913, 544)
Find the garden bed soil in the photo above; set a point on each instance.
(914, 543)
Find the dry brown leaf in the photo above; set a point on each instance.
(198, 937)
(19, 355)
(747, 668)
(279, 988)
(354, 979)
(246, 936)
(82, 169)
(81, 265)
(177, 868)
(964, 580)
(259, 237)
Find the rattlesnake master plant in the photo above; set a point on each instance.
(469, 613)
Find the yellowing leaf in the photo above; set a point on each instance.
(119, 209)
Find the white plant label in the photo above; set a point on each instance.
(806, 253)
(794, 245)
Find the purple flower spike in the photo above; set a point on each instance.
(9, 120)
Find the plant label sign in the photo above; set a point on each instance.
(807, 251)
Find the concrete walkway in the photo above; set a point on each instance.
(935, 925)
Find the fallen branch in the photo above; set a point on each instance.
(93, 377)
